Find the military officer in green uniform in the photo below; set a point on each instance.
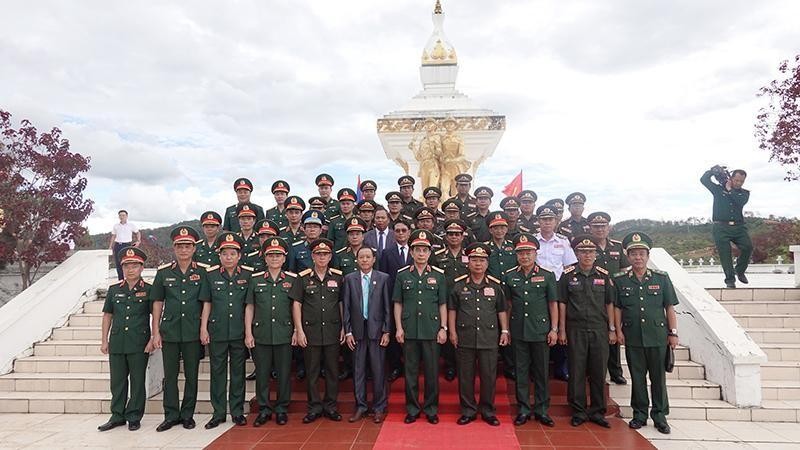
(176, 326)
(610, 257)
(247, 221)
(420, 314)
(410, 204)
(453, 261)
(463, 186)
(316, 203)
(267, 229)
(528, 221)
(337, 225)
(433, 198)
(394, 203)
(324, 184)
(586, 326)
(280, 190)
(368, 188)
(576, 224)
(268, 330)
(729, 200)
(222, 328)
(532, 296)
(646, 325)
(126, 315)
(205, 254)
(477, 315)
(243, 188)
(293, 209)
(317, 312)
(477, 219)
(510, 205)
(366, 212)
(425, 219)
(313, 221)
(501, 258)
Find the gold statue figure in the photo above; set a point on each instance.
(428, 152)
(452, 161)
(440, 155)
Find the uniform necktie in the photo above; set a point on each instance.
(403, 254)
(380, 243)
(364, 294)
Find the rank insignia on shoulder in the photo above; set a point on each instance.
(305, 272)
(290, 274)
(601, 270)
(569, 269)
(203, 265)
(437, 269)
(335, 271)
(493, 278)
(164, 266)
(212, 268)
(462, 277)
(248, 268)
(403, 268)
(511, 269)
(258, 274)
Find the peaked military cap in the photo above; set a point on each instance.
(324, 179)
(405, 180)
(280, 186)
(314, 217)
(424, 212)
(478, 249)
(229, 239)
(527, 195)
(576, 197)
(356, 224)
(484, 191)
(245, 209)
(393, 196)
(454, 226)
(556, 203)
(463, 178)
(368, 185)
(367, 205)
(525, 241)
(132, 255)
(432, 191)
(509, 203)
(452, 204)
(637, 239)
(420, 237)
(316, 203)
(497, 218)
(345, 194)
(243, 183)
(294, 202)
(545, 211)
(599, 218)
(584, 242)
(210, 218)
(184, 235)
(266, 226)
(274, 245)
(321, 245)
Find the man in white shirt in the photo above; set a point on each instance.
(123, 234)
(380, 237)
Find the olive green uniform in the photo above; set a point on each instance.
(322, 324)
(529, 297)
(586, 296)
(644, 324)
(337, 231)
(478, 330)
(206, 254)
(250, 250)
(421, 294)
(454, 266)
(478, 226)
(232, 219)
(410, 207)
(613, 259)
(227, 295)
(180, 334)
(571, 227)
(277, 216)
(332, 208)
(528, 224)
(272, 330)
(130, 333)
(468, 204)
(501, 258)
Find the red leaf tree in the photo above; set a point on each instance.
(778, 124)
(41, 195)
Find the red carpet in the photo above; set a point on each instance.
(446, 434)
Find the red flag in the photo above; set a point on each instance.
(515, 187)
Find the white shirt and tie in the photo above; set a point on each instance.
(365, 291)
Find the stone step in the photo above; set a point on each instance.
(79, 382)
(762, 307)
(67, 348)
(86, 320)
(691, 389)
(781, 370)
(81, 364)
(757, 294)
(684, 370)
(93, 307)
(781, 352)
(681, 353)
(768, 320)
(775, 335)
(690, 409)
(76, 333)
(780, 389)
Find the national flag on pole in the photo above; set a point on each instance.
(515, 187)
(359, 196)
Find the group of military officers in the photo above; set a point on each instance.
(475, 285)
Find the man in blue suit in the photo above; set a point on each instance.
(393, 258)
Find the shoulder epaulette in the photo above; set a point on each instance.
(203, 265)
(335, 271)
(472, 214)
(212, 268)
(437, 269)
(660, 272)
(334, 217)
(493, 279)
(341, 250)
(525, 229)
(297, 243)
(407, 217)
(545, 270)
(248, 268)
(118, 283)
(253, 253)
(620, 273)
(305, 272)
(561, 236)
(258, 274)
(291, 274)
(199, 241)
(614, 241)
(403, 268)
(439, 252)
(459, 278)
(164, 266)
(601, 270)
(283, 228)
(569, 269)
(511, 269)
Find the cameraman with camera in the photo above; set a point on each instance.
(729, 199)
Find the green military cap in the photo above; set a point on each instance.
(556, 203)
(599, 218)
(424, 212)
(314, 217)
(509, 203)
(316, 203)
(266, 226)
(525, 241)
(405, 180)
(367, 205)
(243, 183)
(280, 186)
(356, 224)
(393, 196)
(478, 250)
(229, 239)
(463, 178)
(420, 238)
(245, 209)
(294, 202)
(432, 191)
(210, 218)
(452, 204)
(132, 255)
(545, 211)
(274, 245)
(497, 218)
(576, 197)
(184, 235)
(637, 239)
(321, 245)
(483, 191)
(527, 195)
(324, 179)
(454, 226)
(584, 242)
(368, 185)
(346, 194)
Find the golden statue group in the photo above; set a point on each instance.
(440, 154)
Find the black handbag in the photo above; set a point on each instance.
(669, 360)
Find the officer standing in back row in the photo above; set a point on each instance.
(243, 188)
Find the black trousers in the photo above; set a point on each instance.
(117, 247)
(326, 356)
(588, 356)
(487, 363)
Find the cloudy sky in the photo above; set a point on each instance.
(626, 101)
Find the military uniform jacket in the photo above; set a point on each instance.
(528, 225)
(205, 254)
(130, 324)
(250, 250)
(469, 204)
(502, 258)
(345, 260)
(478, 226)
(453, 265)
(644, 321)
(337, 231)
(728, 205)
(529, 297)
(586, 297)
(301, 260)
(572, 228)
(476, 307)
(292, 237)
(272, 319)
(420, 294)
(232, 220)
(612, 259)
(402, 215)
(322, 320)
(332, 208)
(180, 292)
(227, 295)
(410, 207)
(277, 216)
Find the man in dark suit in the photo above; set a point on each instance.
(380, 237)
(393, 258)
(367, 325)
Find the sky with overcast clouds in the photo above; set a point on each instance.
(628, 101)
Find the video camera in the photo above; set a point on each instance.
(721, 174)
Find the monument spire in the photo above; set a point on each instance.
(438, 50)
(438, 8)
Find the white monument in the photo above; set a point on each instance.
(440, 132)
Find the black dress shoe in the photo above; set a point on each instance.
(322, 373)
(521, 419)
(109, 425)
(262, 419)
(450, 374)
(395, 374)
(214, 423)
(636, 424)
(577, 421)
(545, 420)
(274, 375)
(619, 379)
(493, 421)
(562, 376)
(281, 418)
(346, 374)
(410, 418)
(743, 278)
(730, 284)
(251, 377)
(188, 423)
(433, 419)
(511, 374)
(310, 417)
(663, 428)
(166, 425)
(240, 421)
(600, 420)
(463, 420)
(301, 374)
(333, 415)
(134, 425)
